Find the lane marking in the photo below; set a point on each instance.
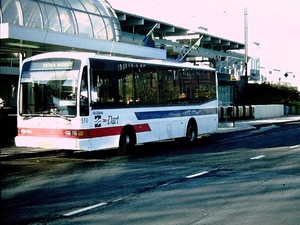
(165, 184)
(295, 146)
(84, 209)
(258, 157)
(117, 200)
(196, 175)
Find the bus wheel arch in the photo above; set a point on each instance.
(127, 140)
(191, 131)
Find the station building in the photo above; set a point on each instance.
(30, 27)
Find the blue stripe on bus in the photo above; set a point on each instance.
(174, 113)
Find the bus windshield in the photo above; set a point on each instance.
(48, 87)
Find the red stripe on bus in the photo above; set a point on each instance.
(87, 133)
(110, 131)
(40, 132)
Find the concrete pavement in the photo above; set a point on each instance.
(8, 149)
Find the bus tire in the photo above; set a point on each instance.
(127, 141)
(191, 132)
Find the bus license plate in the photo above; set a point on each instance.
(45, 145)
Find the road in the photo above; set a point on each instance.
(250, 177)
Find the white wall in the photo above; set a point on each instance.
(267, 111)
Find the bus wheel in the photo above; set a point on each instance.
(127, 142)
(191, 132)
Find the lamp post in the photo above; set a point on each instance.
(246, 42)
(256, 61)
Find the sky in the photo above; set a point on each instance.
(275, 25)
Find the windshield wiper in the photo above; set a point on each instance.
(61, 116)
(30, 116)
(43, 114)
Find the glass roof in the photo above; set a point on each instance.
(88, 18)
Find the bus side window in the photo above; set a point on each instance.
(125, 83)
(168, 91)
(84, 97)
(146, 85)
(102, 87)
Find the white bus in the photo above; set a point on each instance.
(86, 101)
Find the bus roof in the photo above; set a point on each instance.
(86, 55)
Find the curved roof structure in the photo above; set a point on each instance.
(94, 19)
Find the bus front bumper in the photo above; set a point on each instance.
(53, 143)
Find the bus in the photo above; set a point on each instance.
(87, 101)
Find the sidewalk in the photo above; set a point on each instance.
(10, 151)
(244, 125)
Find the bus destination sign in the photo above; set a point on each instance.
(60, 65)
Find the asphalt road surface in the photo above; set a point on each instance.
(250, 177)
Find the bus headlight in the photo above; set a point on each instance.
(25, 131)
(74, 133)
(67, 133)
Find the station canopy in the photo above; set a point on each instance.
(95, 19)
(38, 26)
(136, 24)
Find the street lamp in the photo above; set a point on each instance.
(246, 41)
